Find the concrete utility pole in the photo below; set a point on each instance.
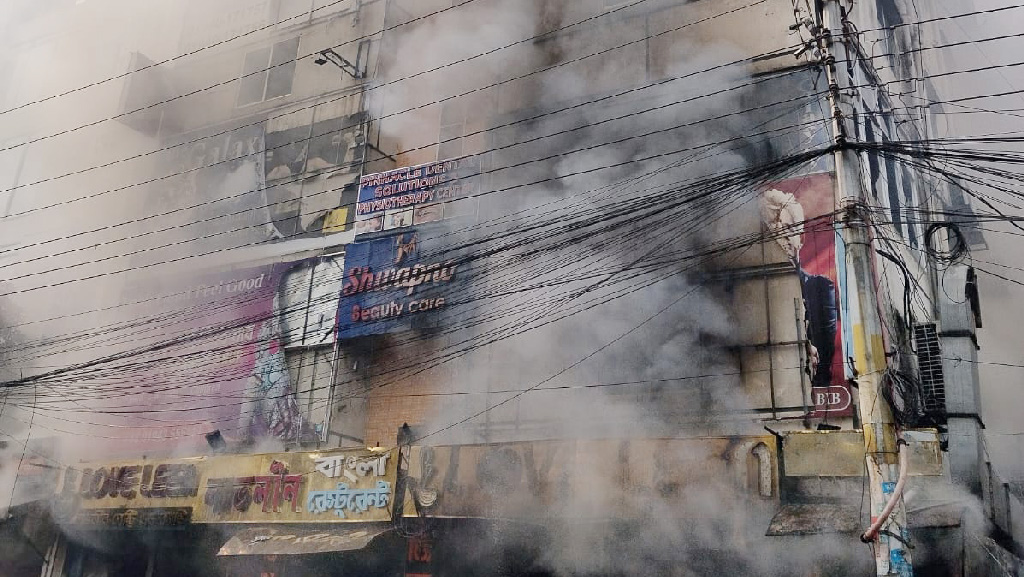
(881, 445)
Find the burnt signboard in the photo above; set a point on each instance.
(126, 495)
(581, 479)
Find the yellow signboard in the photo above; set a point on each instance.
(587, 479)
(335, 221)
(332, 486)
(336, 486)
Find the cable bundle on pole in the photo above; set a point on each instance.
(958, 248)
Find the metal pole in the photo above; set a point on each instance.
(880, 440)
(325, 435)
(797, 304)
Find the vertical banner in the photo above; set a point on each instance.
(798, 211)
(273, 411)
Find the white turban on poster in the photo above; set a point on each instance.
(782, 212)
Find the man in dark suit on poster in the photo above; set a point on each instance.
(784, 216)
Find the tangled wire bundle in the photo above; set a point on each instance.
(958, 247)
(903, 394)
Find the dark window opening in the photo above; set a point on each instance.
(894, 194)
(873, 171)
(268, 72)
(911, 220)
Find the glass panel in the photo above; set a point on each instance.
(891, 185)
(285, 51)
(282, 68)
(279, 83)
(294, 294)
(323, 306)
(908, 195)
(873, 171)
(254, 77)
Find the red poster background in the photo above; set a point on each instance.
(816, 194)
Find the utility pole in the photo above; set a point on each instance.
(884, 454)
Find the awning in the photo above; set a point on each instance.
(271, 540)
(812, 519)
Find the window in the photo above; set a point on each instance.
(873, 170)
(963, 216)
(268, 72)
(310, 296)
(892, 187)
(911, 218)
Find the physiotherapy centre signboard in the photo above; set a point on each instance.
(415, 195)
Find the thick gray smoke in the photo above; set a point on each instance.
(48, 237)
(624, 337)
(646, 326)
(105, 247)
(578, 188)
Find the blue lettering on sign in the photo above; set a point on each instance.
(899, 564)
(888, 487)
(354, 500)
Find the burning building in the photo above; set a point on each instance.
(545, 288)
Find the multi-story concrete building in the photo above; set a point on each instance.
(628, 335)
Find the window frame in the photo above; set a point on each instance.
(266, 72)
(310, 303)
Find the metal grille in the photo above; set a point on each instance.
(929, 363)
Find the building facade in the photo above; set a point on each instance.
(572, 271)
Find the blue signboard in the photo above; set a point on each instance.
(388, 286)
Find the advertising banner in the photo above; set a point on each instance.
(339, 486)
(800, 209)
(415, 194)
(229, 371)
(391, 282)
